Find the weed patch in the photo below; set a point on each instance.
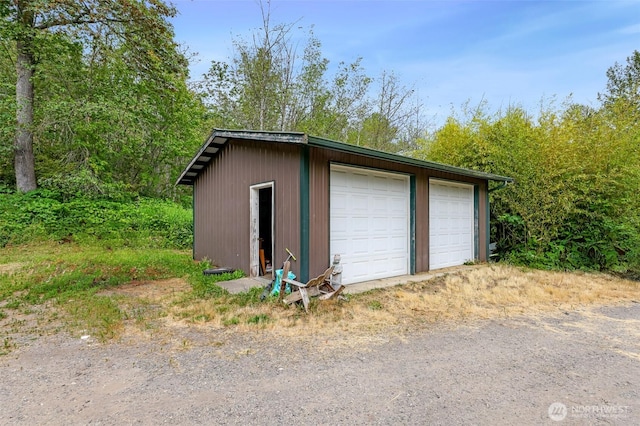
(12, 304)
(205, 285)
(231, 321)
(7, 345)
(375, 305)
(258, 319)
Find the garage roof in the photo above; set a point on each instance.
(220, 137)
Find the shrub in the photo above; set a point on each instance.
(49, 215)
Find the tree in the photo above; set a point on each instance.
(389, 126)
(139, 27)
(255, 90)
(269, 85)
(7, 110)
(331, 109)
(623, 82)
(99, 121)
(577, 169)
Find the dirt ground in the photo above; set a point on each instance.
(579, 366)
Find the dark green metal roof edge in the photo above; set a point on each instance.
(354, 149)
(263, 135)
(219, 138)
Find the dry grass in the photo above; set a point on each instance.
(157, 290)
(490, 291)
(171, 309)
(9, 268)
(499, 290)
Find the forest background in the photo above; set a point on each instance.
(98, 117)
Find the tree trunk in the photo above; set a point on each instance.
(24, 160)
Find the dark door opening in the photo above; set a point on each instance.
(265, 229)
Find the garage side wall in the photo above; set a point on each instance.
(319, 170)
(222, 201)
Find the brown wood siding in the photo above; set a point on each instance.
(222, 201)
(319, 165)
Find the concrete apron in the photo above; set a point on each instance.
(242, 285)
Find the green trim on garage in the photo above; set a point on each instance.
(476, 222)
(487, 239)
(304, 215)
(412, 224)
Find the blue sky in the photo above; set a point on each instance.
(503, 52)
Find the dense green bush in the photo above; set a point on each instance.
(574, 204)
(126, 221)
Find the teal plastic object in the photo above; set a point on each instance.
(276, 286)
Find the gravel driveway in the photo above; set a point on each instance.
(510, 371)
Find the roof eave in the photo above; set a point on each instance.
(219, 137)
(354, 149)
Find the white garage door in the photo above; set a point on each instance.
(451, 224)
(369, 223)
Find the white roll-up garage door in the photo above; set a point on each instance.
(369, 223)
(451, 224)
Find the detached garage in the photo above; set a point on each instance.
(258, 193)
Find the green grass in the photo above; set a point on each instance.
(231, 321)
(375, 305)
(69, 277)
(205, 285)
(63, 271)
(258, 319)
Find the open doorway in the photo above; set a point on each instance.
(262, 230)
